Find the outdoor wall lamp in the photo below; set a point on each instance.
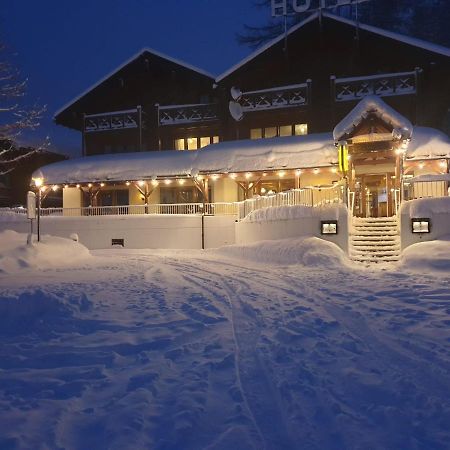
(329, 227)
(422, 225)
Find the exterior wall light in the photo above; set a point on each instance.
(419, 226)
(329, 227)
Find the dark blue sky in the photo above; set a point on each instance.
(64, 46)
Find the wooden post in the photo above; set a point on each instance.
(139, 112)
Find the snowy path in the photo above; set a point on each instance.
(168, 350)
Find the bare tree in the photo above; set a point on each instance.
(15, 118)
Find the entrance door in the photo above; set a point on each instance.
(373, 195)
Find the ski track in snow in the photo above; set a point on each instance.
(170, 351)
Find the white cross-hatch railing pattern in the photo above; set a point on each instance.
(312, 197)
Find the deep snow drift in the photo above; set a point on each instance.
(277, 345)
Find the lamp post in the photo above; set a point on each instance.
(38, 182)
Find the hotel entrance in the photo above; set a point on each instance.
(374, 195)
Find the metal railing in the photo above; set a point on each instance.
(383, 85)
(312, 197)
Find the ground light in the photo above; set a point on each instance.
(421, 225)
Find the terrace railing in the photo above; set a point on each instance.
(183, 114)
(426, 189)
(384, 85)
(276, 98)
(112, 121)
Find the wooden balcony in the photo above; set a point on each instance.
(276, 98)
(383, 85)
(187, 114)
(112, 121)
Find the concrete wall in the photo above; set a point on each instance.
(247, 232)
(437, 210)
(155, 231)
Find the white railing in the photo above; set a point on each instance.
(426, 189)
(312, 197)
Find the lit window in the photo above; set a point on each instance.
(204, 141)
(215, 139)
(179, 144)
(270, 132)
(301, 129)
(192, 144)
(256, 133)
(286, 130)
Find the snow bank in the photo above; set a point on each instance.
(309, 252)
(426, 207)
(275, 213)
(10, 215)
(428, 256)
(51, 252)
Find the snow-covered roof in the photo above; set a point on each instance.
(128, 61)
(316, 150)
(429, 46)
(266, 47)
(428, 143)
(367, 106)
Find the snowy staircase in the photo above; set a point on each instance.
(375, 240)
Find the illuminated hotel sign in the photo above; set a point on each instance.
(284, 7)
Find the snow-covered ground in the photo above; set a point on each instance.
(276, 345)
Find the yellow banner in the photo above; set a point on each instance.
(343, 158)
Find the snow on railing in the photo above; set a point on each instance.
(312, 197)
(382, 85)
(426, 189)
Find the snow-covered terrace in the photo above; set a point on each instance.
(297, 152)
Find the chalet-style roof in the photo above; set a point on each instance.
(418, 43)
(372, 106)
(144, 53)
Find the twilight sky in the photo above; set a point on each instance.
(65, 46)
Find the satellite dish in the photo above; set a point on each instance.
(236, 93)
(236, 111)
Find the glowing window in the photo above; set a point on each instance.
(300, 129)
(179, 144)
(215, 139)
(204, 141)
(270, 132)
(286, 130)
(192, 144)
(256, 133)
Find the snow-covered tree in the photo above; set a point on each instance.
(15, 117)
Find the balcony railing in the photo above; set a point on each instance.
(111, 121)
(185, 114)
(277, 98)
(385, 85)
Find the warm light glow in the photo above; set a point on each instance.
(281, 173)
(78, 186)
(233, 176)
(66, 186)
(199, 177)
(316, 171)
(89, 185)
(399, 151)
(263, 190)
(214, 177)
(55, 187)
(181, 181)
(334, 170)
(167, 181)
(127, 183)
(298, 172)
(264, 174)
(102, 184)
(38, 182)
(154, 183)
(43, 188)
(248, 175)
(421, 165)
(141, 183)
(443, 164)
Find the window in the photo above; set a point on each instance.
(194, 143)
(297, 129)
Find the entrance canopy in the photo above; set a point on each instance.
(373, 106)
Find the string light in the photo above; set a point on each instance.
(141, 183)
(102, 184)
(127, 183)
(89, 185)
(78, 186)
(55, 187)
(298, 172)
(233, 176)
(281, 173)
(248, 175)
(167, 181)
(181, 181)
(214, 177)
(155, 183)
